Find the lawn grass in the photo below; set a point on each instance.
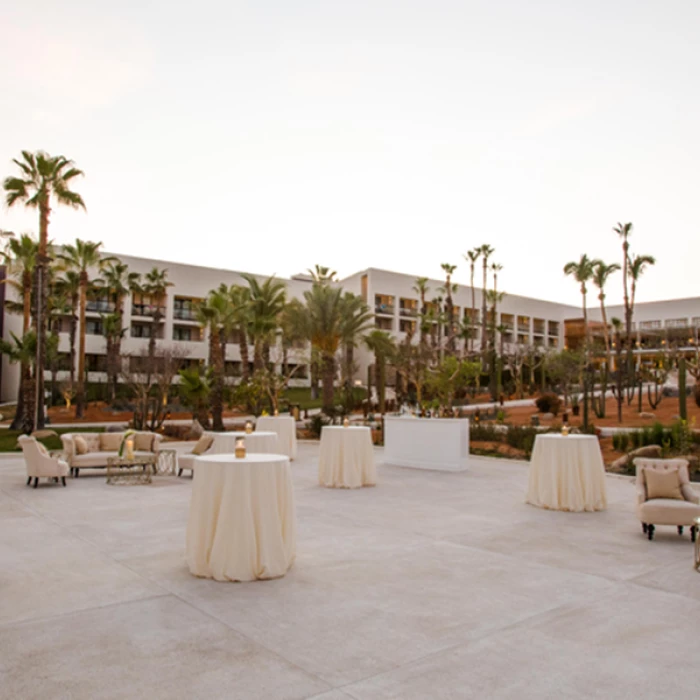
(8, 438)
(302, 396)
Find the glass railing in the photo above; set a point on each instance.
(100, 306)
(185, 314)
(384, 309)
(408, 311)
(147, 310)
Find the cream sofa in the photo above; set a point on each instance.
(101, 446)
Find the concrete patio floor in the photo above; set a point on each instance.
(431, 585)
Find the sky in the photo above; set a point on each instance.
(273, 135)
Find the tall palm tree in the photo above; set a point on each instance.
(267, 301)
(449, 306)
(69, 287)
(155, 285)
(239, 298)
(320, 320)
(356, 319)
(624, 231)
(42, 180)
(23, 351)
(637, 265)
(486, 252)
(83, 256)
(421, 288)
(118, 282)
(195, 389)
(383, 347)
(582, 271)
(214, 314)
(323, 274)
(601, 273)
(20, 259)
(472, 256)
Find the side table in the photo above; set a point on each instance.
(138, 470)
(167, 462)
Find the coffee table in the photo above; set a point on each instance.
(137, 470)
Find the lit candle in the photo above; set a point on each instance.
(346, 422)
(248, 427)
(240, 448)
(129, 449)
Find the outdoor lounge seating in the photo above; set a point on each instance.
(665, 496)
(91, 450)
(40, 463)
(186, 461)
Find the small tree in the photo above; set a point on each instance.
(564, 369)
(195, 389)
(451, 377)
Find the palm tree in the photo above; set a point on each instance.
(449, 306)
(239, 298)
(624, 231)
(320, 320)
(118, 282)
(486, 252)
(20, 258)
(214, 314)
(382, 345)
(600, 279)
(267, 301)
(23, 351)
(68, 286)
(155, 285)
(421, 288)
(356, 319)
(82, 257)
(637, 265)
(472, 256)
(195, 388)
(582, 271)
(323, 275)
(42, 178)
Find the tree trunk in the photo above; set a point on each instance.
(80, 394)
(245, 358)
(42, 289)
(216, 359)
(327, 380)
(18, 421)
(73, 331)
(483, 312)
(380, 370)
(349, 364)
(28, 391)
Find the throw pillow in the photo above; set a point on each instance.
(80, 445)
(110, 442)
(663, 484)
(143, 442)
(203, 444)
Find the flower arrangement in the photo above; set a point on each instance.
(126, 438)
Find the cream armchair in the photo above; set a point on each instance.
(186, 461)
(39, 463)
(665, 496)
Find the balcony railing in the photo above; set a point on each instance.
(100, 306)
(408, 311)
(185, 314)
(147, 310)
(387, 309)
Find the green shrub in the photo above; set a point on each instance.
(316, 424)
(657, 434)
(623, 441)
(548, 403)
(521, 438)
(616, 441)
(484, 433)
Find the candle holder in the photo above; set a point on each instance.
(248, 427)
(276, 413)
(239, 450)
(346, 422)
(565, 429)
(129, 449)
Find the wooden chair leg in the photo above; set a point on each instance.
(36, 481)
(29, 480)
(650, 531)
(179, 472)
(63, 480)
(693, 533)
(680, 529)
(644, 528)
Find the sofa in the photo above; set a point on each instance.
(95, 448)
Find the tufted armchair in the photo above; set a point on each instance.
(39, 463)
(673, 500)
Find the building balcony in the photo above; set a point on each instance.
(100, 306)
(147, 310)
(185, 314)
(385, 309)
(409, 312)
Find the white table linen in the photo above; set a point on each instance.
(567, 473)
(260, 442)
(242, 521)
(286, 429)
(346, 457)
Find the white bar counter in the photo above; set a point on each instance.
(440, 444)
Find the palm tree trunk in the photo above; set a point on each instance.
(327, 380)
(606, 334)
(80, 394)
(245, 359)
(471, 319)
(483, 313)
(73, 331)
(19, 421)
(28, 398)
(380, 370)
(215, 361)
(349, 363)
(42, 289)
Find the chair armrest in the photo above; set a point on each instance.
(51, 466)
(156, 442)
(641, 495)
(690, 494)
(68, 445)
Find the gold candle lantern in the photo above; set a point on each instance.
(129, 449)
(248, 427)
(240, 448)
(346, 422)
(276, 413)
(565, 429)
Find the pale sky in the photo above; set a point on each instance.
(268, 136)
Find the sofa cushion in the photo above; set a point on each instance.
(110, 442)
(186, 461)
(144, 442)
(92, 459)
(203, 444)
(81, 447)
(663, 484)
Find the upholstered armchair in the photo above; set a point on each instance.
(665, 496)
(186, 461)
(39, 463)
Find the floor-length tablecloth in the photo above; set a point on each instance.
(242, 521)
(567, 473)
(346, 457)
(286, 429)
(260, 442)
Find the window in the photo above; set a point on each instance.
(676, 322)
(93, 327)
(406, 326)
(140, 330)
(185, 308)
(96, 363)
(408, 307)
(383, 304)
(384, 324)
(187, 333)
(649, 325)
